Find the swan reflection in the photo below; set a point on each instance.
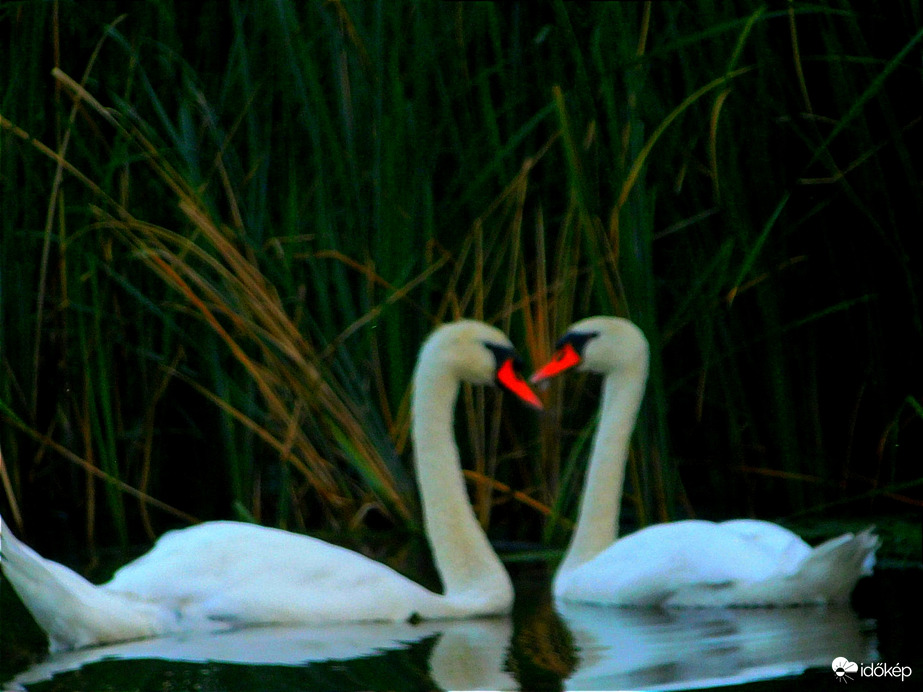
(466, 654)
(624, 648)
(610, 648)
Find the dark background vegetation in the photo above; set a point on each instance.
(228, 226)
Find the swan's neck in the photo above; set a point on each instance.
(597, 520)
(463, 556)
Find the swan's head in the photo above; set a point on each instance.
(598, 344)
(478, 353)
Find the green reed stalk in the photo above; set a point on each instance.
(254, 224)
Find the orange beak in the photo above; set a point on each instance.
(563, 359)
(514, 382)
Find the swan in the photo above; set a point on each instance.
(225, 573)
(695, 563)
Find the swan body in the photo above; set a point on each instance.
(231, 573)
(742, 562)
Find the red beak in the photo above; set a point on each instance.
(564, 358)
(515, 383)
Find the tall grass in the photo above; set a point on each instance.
(227, 230)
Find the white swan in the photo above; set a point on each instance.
(685, 563)
(228, 573)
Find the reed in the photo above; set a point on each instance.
(227, 230)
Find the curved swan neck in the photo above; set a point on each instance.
(463, 556)
(597, 519)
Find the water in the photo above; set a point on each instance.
(539, 647)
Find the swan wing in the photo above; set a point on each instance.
(650, 566)
(826, 574)
(785, 549)
(700, 563)
(243, 573)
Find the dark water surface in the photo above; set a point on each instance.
(539, 647)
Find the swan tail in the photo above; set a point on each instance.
(832, 569)
(72, 611)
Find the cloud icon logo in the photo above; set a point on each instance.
(842, 666)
